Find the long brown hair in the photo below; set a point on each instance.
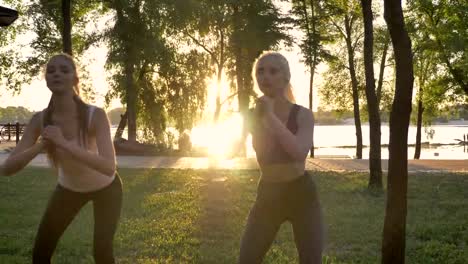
(82, 109)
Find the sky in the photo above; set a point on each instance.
(35, 96)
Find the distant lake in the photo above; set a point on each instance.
(329, 138)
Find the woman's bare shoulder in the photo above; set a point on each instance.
(305, 114)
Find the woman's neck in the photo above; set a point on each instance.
(64, 103)
(281, 105)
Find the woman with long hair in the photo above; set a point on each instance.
(76, 137)
(282, 137)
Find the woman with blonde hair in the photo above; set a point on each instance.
(76, 137)
(281, 136)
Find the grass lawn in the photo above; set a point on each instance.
(188, 216)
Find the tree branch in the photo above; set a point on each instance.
(228, 98)
(212, 54)
(340, 30)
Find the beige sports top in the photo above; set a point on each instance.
(75, 175)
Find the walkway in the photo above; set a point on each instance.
(320, 164)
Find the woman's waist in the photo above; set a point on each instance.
(301, 187)
(281, 172)
(82, 179)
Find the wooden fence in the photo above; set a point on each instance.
(11, 130)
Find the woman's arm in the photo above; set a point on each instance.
(104, 161)
(26, 149)
(298, 145)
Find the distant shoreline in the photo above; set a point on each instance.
(455, 123)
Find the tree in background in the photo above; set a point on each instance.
(375, 162)
(46, 19)
(445, 24)
(394, 237)
(439, 34)
(424, 67)
(257, 26)
(13, 114)
(12, 75)
(150, 69)
(309, 19)
(346, 28)
(381, 50)
(207, 25)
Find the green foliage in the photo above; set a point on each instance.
(344, 24)
(262, 27)
(18, 66)
(234, 33)
(309, 18)
(345, 29)
(156, 39)
(186, 84)
(336, 92)
(438, 37)
(169, 78)
(333, 117)
(177, 96)
(441, 30)
(12, 74)
(258, 26)
(13, 114)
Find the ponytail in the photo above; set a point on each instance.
(47, 121)
(289, 94)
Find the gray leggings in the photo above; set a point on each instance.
(296, 202)
(64, 205)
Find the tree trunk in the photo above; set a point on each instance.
(381, 73)
(67, 25)
(242, 94)
(312, 71)
(218, 80)
(218, 95)
(417, 151)
(121, 126)
(375, 166)
(131, 101)
(311, 33)
(131, 94)
(393, 244)
(311, 105)
(354, 83)
(425, 64)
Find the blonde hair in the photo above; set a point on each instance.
(284, 67)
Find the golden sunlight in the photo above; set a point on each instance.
(218, 139)
(225, 92)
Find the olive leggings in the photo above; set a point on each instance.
(64, 205)
(297, 202)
